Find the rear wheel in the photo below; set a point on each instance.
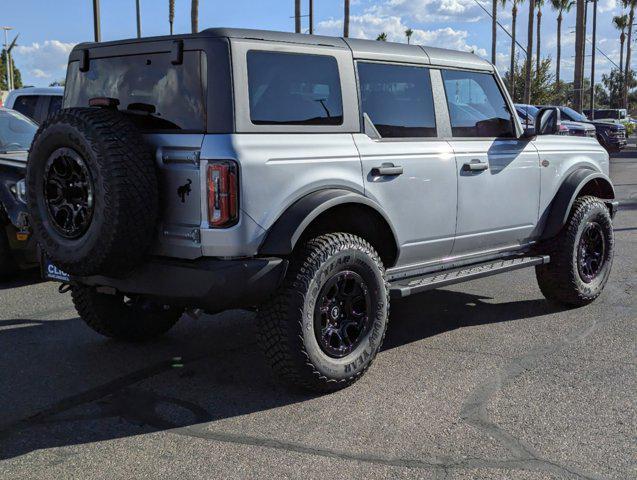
(133, 318)
(581, 255)
(327, 323)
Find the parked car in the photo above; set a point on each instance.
(310, 178)
(613, 114)
(17, 247)
(36, 103)
(527, 114)
(611, 136)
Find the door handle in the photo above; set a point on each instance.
(475, 166)
(387, 170)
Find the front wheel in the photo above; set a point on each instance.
(581, 255)
(328, 321)
(133, 318)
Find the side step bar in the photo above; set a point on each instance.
(408, 286)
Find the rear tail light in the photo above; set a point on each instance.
(563, 130)
(223, 198)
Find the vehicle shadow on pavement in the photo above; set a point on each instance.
(23, 279)
(223, 375)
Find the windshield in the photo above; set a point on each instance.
(529, 110)
(16, 131)
(575, 116)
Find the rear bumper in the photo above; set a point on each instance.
(210, 284)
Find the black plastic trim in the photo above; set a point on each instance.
(208, 283)
(286, 231)
(566, 196)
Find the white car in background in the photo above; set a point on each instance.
(35, 103)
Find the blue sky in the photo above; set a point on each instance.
(48, 29)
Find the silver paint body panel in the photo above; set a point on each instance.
(440, 213)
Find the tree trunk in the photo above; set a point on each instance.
(346, 20)
(529, 53)
(579, 56)
(539, 36)
(622, 40)
(194, 16)
(514, 17)
(494, 27)
(631, 19)
(171, 14)
(559, 48)
(297, 16)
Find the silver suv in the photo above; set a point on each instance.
(309, 178)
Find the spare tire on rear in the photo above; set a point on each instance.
(92, 192)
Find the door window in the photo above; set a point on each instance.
(26, 105)
(398, 99)
(477, 107)
(294, 89)
(54, 105)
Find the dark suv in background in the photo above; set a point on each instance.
(611, 136)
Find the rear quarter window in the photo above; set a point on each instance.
(294, 89)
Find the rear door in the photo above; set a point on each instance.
(498, 174)
(410, 171)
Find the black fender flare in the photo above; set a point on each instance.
(568, 193)
(288, 228)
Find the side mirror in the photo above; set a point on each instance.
(547, 121)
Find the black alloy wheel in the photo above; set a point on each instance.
(68, 193)
(591, 252)
(341, 318)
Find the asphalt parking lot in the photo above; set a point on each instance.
(480, 380)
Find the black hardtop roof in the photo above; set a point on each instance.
(360, 48)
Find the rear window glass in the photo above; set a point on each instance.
(26, 105)
(156, 94)
(398, 99)
(294, 89)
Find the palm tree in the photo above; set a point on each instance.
(494, 26)
(408, 33)
(631, 4)
(382, 37)
(621, 23)
(578, 74)
(561, 6)
(514, 18)
(539, 4)
(194, 16)
(171, 14)
(297, 16)
(346, 19)
(529, 52)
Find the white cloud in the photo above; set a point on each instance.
(427, 11)
(46, 60)
(369, 26)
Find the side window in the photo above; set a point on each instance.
(26, 105)
(54, 105)
(476, 105)
(398, 99)
(294, 89)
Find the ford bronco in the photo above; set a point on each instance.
(309, 178)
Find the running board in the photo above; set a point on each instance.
(408, 286)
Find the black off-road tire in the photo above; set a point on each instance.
(8, 265)
(125, 193)
(561, 280)
(110, 315)
(286, 329)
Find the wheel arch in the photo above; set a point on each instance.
(332, 210)
(583, 181)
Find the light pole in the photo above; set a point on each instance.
(311, 17)
(96, 20)
(6, 57)
(139, 20)
(593, 59)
